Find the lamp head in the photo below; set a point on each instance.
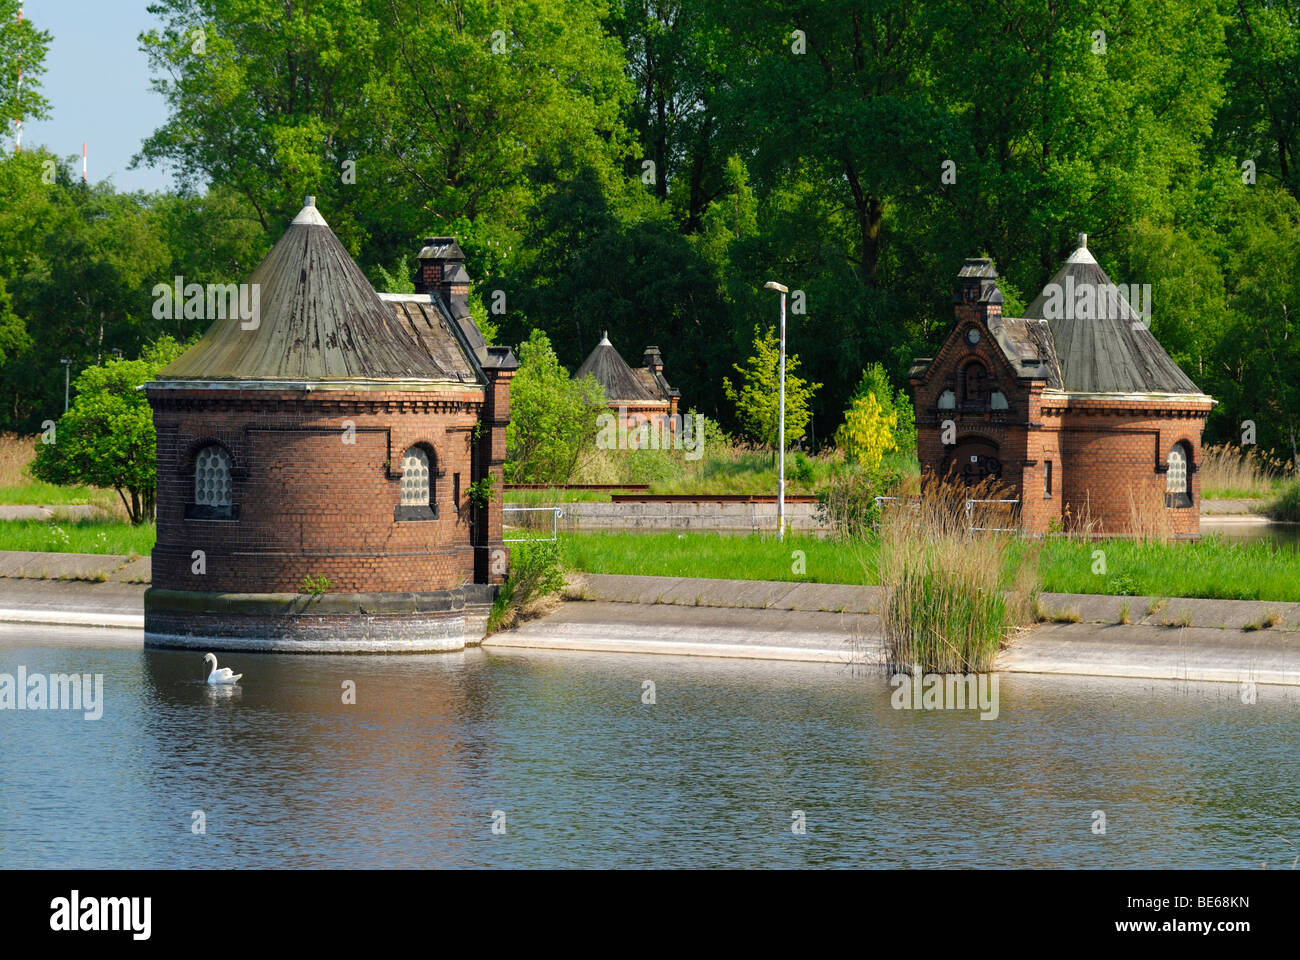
(773, 285)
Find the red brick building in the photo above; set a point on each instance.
(321, 466)
(636, 396)
(1075, 408)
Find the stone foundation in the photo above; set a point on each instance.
(330, 623)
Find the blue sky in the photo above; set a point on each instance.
(97, 83)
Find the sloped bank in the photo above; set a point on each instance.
(1219, 640)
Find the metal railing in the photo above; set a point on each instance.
(1013, 512)
(555, 512)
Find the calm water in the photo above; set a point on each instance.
(1285, 535)
(587, 775)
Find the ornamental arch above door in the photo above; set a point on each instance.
(973, 460)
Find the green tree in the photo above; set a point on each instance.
(1260, 119)
(867, 433)
(22, 47)
(1260, 348)
(757, 399)
(893, 405)
(553, 418)
(400, 115)
(107, 439)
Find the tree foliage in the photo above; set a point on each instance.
(22, 47)
(879, 420)
(553, 418)
(644, 166)
(758, 396)
(106, 439)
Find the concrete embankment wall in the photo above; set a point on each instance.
(687, 515)
(1177, 640)
(705, 514)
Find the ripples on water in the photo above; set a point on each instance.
(587, 775)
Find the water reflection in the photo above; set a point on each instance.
(1240, 530)
(286, 774)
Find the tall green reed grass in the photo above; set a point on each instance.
(955, 597)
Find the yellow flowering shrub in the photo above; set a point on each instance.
(868, 432)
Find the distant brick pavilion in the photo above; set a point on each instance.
(334, 439)
(1079, 415)
(643, 395)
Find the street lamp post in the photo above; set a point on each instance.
(780, 429)
(67, 379)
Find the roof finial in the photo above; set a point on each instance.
(1083, 241)
(309, 214)
(604, 339)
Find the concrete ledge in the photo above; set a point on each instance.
(614, 627)
(832, 623)
(36, 564)
(329, 623)
(72, 618)
(845, 598)
(1222, 508)
(326, 604)
(1145, 651)
(1175, 612)
(745, 594)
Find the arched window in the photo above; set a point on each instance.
(973, 377)
(212, 488)
(212, 477)
(415, 478)
(998, 401)
(1178, 477)
(417, 501)
(947, 400)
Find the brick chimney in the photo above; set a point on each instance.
(442, 272)
(652, 361)
(977, 296)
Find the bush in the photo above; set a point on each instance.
(863, 421)
(553, 418)
(1286, 505)
(106, 438)
(800, 468)
(536, 577)
(847, 504)
(1123, 585)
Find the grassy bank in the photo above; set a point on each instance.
(76, 536)
(1230, 472)
(50, 495)
(18, 488)
(1212, 568)
(718, 556)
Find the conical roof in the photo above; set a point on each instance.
(318, 320)
(1107, 349)
(612, 372)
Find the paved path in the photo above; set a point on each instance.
(72, 603)
(41, 565)
(1211, 508)
(25, 511)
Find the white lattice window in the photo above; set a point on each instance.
(1176, 479)
(212, 477)
(415, 478)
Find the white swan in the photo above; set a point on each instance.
(224, 675)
